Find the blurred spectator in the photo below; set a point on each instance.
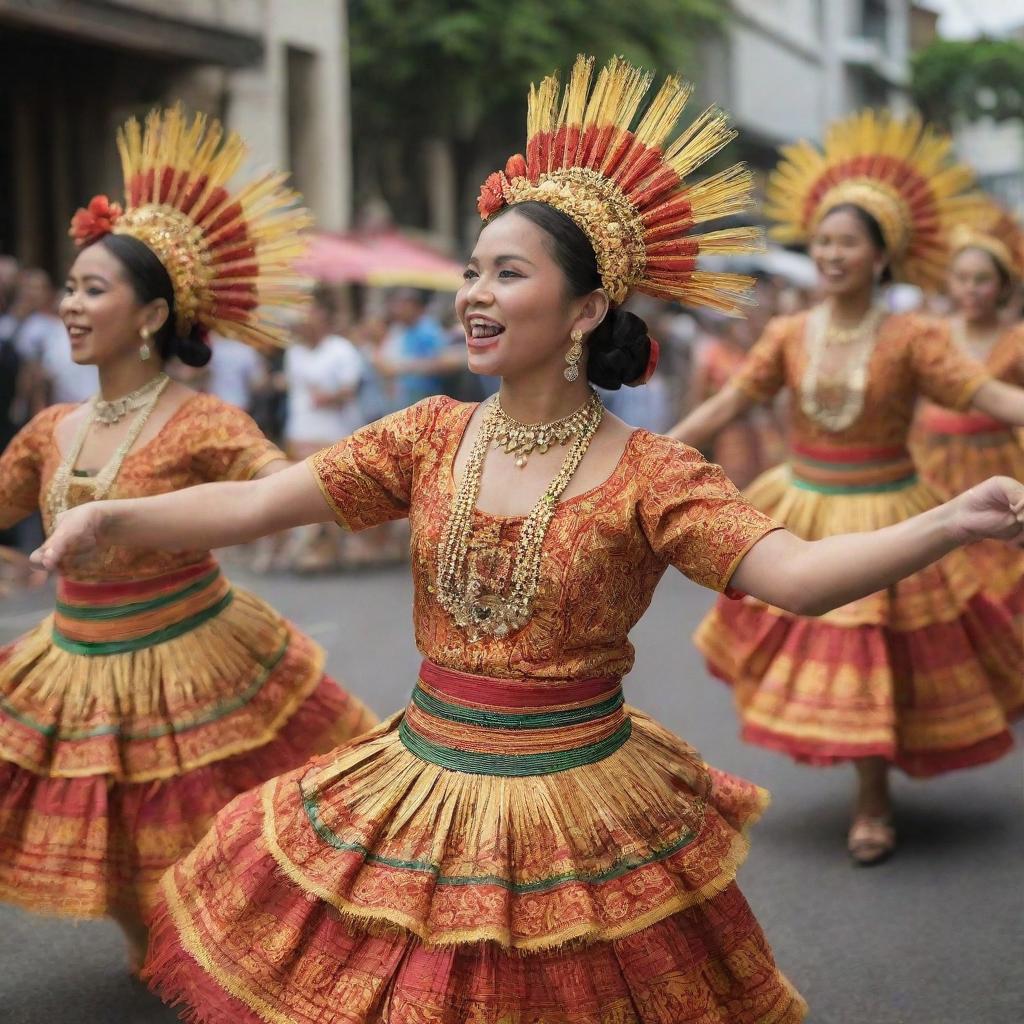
(322, 373)
(50, 375)
(235, 373)
(376, 398)
(421, 360)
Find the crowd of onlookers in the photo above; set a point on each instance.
(346, 370)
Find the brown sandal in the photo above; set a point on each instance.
(871, 840)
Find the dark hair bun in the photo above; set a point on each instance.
(618, 350)
(192, 350)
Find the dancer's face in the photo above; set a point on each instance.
(101, 312)
(515, 305)
(975, 284)
(848, 259)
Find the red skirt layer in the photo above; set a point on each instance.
(931, 700)
(375, 884)
(927, 673)
(708, 965)
(89, 846)
(236, 941)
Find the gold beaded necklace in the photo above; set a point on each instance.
(110, 412)
(463, 594)
(522, 439)
(100, 484)
(851, 381)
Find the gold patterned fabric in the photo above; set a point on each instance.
(926, 673)
(154, 694)
(379, 882)
(605, 551)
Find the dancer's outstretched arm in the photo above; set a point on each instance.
(1001, 401)
(812, 577)
(699, 427)
(196, 518)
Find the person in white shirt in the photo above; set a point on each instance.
(322, 373)
(44, 347)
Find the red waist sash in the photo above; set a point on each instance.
(514, 727)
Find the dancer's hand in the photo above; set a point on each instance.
(993, 509)
(77, 532)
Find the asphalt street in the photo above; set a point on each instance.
(932, 937)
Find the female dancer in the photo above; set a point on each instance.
(156, 691)
(925, 673)
(956, 450)
(519, 845)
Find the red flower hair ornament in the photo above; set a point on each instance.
(90, 223)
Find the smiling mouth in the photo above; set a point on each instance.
(79, 332)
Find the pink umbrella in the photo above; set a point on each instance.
(380, 259)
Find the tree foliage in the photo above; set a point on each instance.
(443, 68)
(970, 79)
(457, 71)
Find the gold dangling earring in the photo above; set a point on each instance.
(144, 350)
(573, 357)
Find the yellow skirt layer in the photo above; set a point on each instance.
(221, 689)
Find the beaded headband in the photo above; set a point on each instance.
(229, 254)
(624, 187)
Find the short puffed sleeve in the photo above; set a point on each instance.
(763, 373)
(227, 444)
(693, 516)
(21, 465)
(944, 373)
(367, 477)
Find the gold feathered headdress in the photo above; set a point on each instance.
(230, 255)
(897, 169)
(624, 187)
(996, 231)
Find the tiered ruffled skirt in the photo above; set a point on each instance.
(131, 716)
(503, 851)
(926, 674)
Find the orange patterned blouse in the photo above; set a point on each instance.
(205, 440)
(913, 356)
(605, 551)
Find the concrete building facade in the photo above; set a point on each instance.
(785, 68)
(71, 71)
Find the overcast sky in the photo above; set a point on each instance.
(972, 17)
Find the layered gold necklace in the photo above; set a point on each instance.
(461, 592)
(834, 398)
(100, 484)
(523, 439)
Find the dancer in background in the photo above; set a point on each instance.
(926, 673)
(956, 450)
(156, 691)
